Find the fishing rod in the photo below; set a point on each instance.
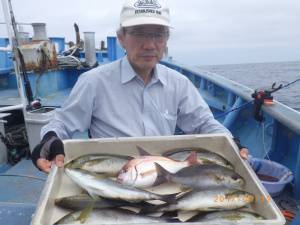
(19, 59)
(234, 109)
(263, 97)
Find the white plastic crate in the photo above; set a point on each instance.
(59, 185)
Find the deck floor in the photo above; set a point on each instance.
(20, 189)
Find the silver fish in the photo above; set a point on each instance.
(109, 216)
(231, 215)
(82, 201)
(110, 166)
(100, 163)
(100, 185)
(204, 156)
(202, 177)
(209, 200)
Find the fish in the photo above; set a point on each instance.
(100, 163)
(202, 177)
(141, 171)
(206, 200)
(230, 215)
(81, 201)
(204, 156)
(109, 216)
(101, 185)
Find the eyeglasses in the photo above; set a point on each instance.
(143, 36)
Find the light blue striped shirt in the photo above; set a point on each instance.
(112, 101)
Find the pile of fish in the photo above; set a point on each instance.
(123, 189)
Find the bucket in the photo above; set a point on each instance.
(272, 175)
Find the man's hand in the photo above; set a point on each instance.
(45, 165)
(243, 150)
(49, 151)
(244, 153)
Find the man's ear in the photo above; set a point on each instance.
(121, 39)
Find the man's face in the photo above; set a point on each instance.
(145, 45)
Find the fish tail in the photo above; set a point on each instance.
(162, 175)
(192, 159)
(171, 198)
(152, 208)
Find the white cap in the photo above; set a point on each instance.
(140, 12)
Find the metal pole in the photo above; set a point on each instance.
(12, 35)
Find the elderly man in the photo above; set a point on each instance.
(133, 96)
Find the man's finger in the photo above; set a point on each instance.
(59, 160)
(44, 165)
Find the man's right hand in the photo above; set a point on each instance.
(50, 150)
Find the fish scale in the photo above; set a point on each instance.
(202, 177)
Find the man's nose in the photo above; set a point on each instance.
(150, 42)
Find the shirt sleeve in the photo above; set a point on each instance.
(194, 116)
(76, 112)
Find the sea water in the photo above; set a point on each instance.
(263, 75)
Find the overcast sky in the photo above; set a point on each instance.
(205, 31)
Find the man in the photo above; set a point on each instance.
(134, 96)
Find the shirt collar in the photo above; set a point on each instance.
(127, 73)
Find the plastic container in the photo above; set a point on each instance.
(59, 185)
(272, 169)
(35, 120)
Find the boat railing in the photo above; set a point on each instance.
(237, 94)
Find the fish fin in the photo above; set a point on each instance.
(184, 192)
(162, 175)
(171, 220)
(150, 172)
(85, 213)
(192, 159)
(196, 217)
(151, 209)
(142, 151)
(171, 198)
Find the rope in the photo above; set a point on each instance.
(264, 141)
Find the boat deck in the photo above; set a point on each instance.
(20, 189)
(9, 97)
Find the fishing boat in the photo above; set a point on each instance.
(28, 99)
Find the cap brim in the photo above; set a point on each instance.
(145, 21)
